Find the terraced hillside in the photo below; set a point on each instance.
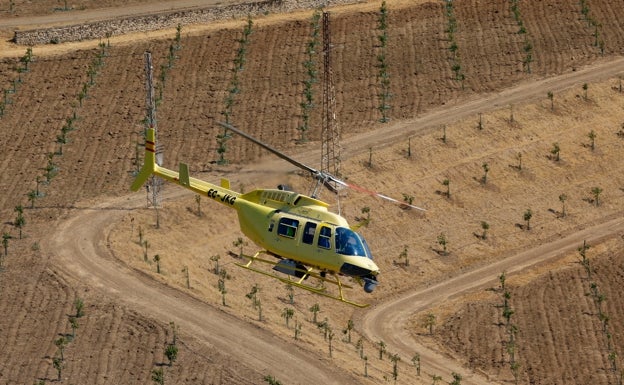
(39, 285)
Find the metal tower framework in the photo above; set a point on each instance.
(154, 184)
(330, 133)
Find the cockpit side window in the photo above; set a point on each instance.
(324, 240)
(349, 243)
(308, 233)
(287, 227)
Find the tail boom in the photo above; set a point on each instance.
(221, 194)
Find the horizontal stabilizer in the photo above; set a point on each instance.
(184, 175)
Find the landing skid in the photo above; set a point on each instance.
(298, 282)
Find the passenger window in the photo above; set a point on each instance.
(287, 227)
(325, 238)
(308, 233)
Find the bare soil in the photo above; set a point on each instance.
(81, 240)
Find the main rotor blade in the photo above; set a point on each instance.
(270, 149)
(318, 174)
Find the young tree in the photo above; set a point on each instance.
(221, 285)
(442, 241)
(486, 169)
(174, 333)
(592, 139)
(145, 247)
(324, 326)
(382, 349)
(157, 260)
(158, 376)
(429, 321)
(61, 343)
(253, 295)
(555, 151)
(551, 96)
(347, 329)
(528, 214)
(596, 191)
(359, 346)
(562, 199)
(519, 157)
(297, 329)
(290, 292)
(171, 352)
(271, 380)
(287, 314)
(315, 309)
(507, 313)
(485, 227)
(57, 363)
(585, 88)
(20, 221)
(79, 306)
(447, 183)
(456, 379)
(32, 197)
(584, 260)
(5, 243)
(240, 243)
(198, 201)
(502, 278)
(215, 259)
(395, 358)
(416, 363)
(73, 323)
(409, 199)
(187, 274)
(403, 255)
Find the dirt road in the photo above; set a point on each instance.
(387, 321)
(91, 15)
(82, 253)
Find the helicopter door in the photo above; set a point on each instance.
(324, 240)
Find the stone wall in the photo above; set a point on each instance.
(144, 23)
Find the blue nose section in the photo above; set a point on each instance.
(369, 285)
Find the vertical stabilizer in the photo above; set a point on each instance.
(149, 163)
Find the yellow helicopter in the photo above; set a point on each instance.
(307, 239)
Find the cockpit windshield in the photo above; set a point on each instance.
(348, 242)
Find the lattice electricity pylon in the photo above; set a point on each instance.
(330, 133)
